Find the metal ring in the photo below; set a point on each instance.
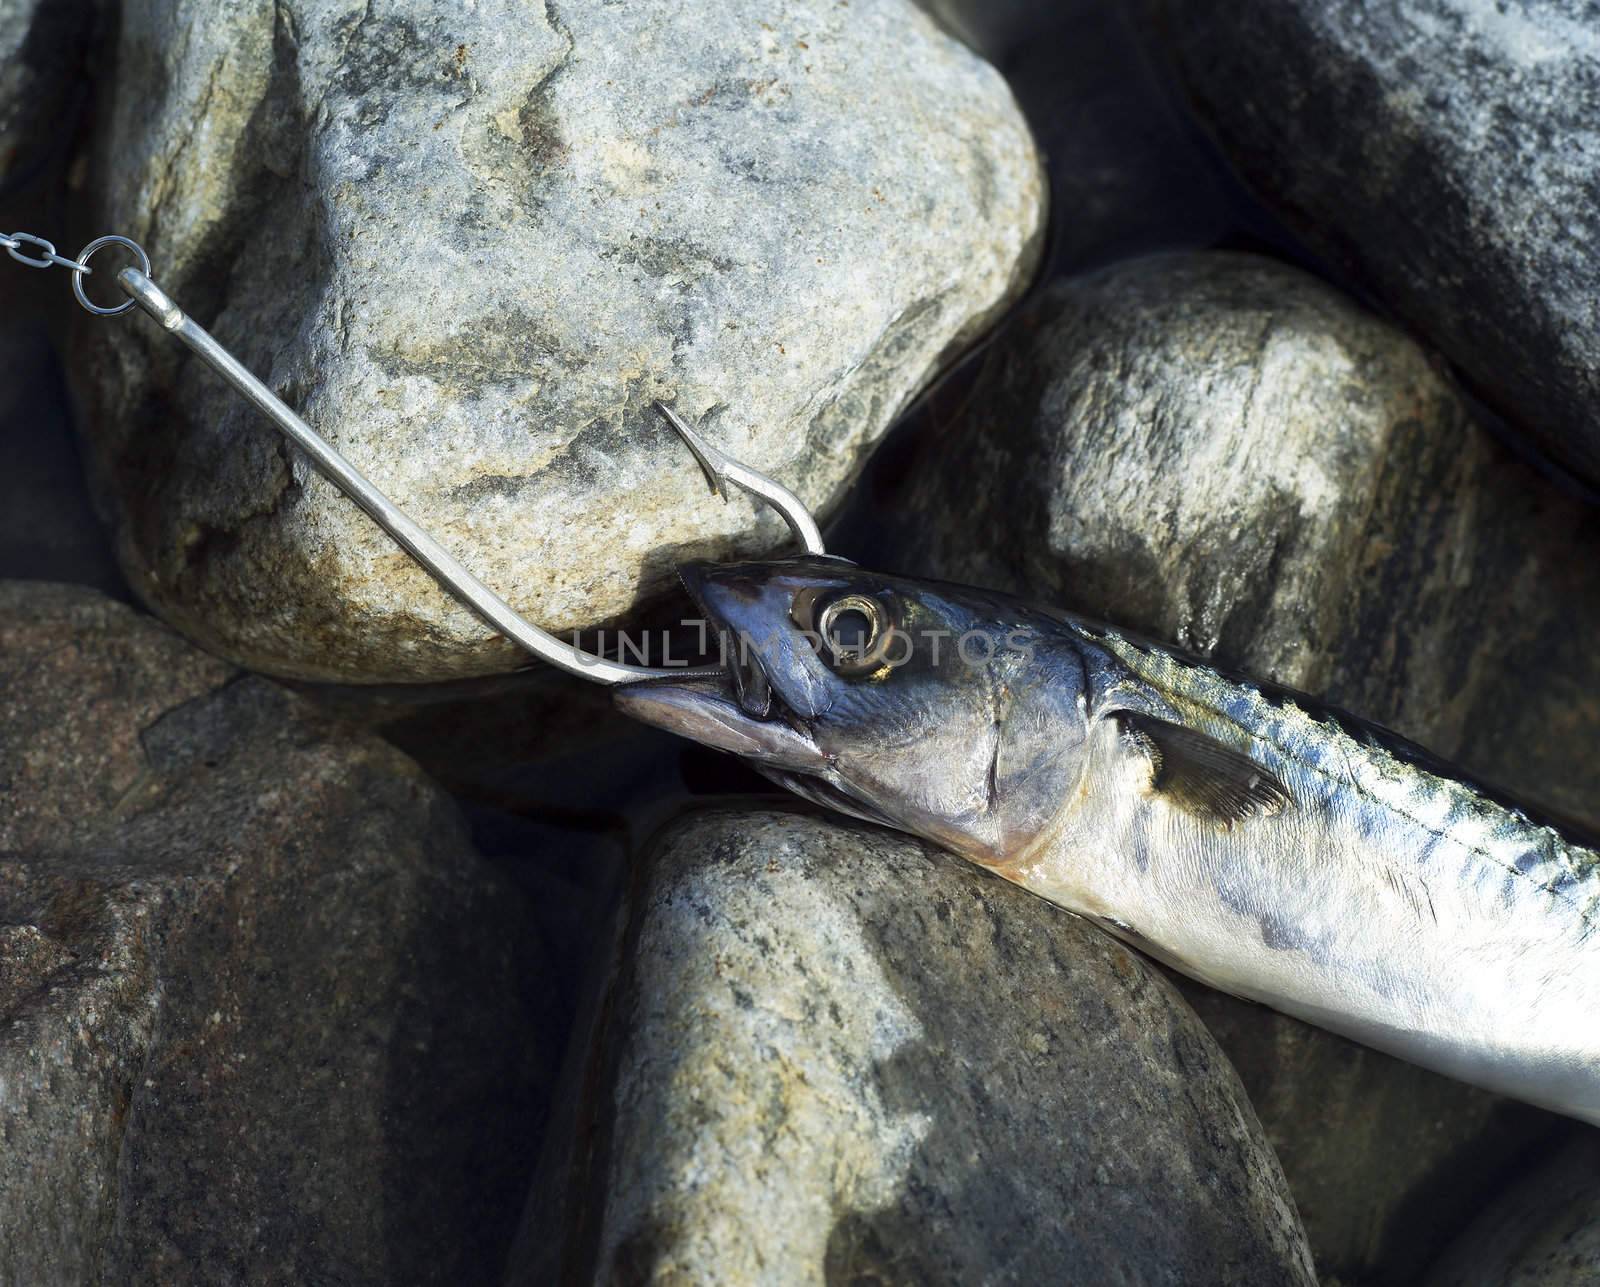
(99, 243)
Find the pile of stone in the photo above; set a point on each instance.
(333, 949)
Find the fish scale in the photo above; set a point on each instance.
(1265, 844)
(1501, 834)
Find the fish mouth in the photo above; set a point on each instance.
(737, 711)
(751, 685)
(708, 711)
(742, 711)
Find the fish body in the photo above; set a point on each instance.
(1243, 834)
(1387, 900)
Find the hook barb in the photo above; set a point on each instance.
(722, 469)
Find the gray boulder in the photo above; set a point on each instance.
(1544, 1231)
(264, 1014)
(1442, 151)
(1223, 452)
(472, 243)
(828, 1053)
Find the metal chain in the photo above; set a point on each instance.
(79, 267)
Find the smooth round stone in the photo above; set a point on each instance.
(472, 243)
(262, 1005)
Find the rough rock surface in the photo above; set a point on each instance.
(1223, 452)
(264, 1015)
(1544, 1231)
(1447, 152)
(834, 1054)
(471, 244)
(43, 44)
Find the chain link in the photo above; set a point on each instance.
(46, 257)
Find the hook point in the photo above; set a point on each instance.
(711, 460)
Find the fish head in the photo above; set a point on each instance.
(943, 711)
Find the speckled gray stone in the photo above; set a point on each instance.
(832, 1054)
(1226, 453)
(1447, 152)
(264, 1014)
(471, 244)
(1193, 444)
(1543, 1231)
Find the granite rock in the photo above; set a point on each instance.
(1543, 1231)
(265, 1016)
(1444, 152)
(1224, 452)
(473, 243)
(828, 1053)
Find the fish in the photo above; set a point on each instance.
(1246, 835)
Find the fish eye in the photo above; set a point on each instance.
(850, 629)
(854, 631)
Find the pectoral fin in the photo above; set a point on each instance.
(1198, 774)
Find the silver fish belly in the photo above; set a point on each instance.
(1387, 902)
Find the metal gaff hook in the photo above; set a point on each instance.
(443, 566)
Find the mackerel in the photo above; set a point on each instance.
(1256, 840)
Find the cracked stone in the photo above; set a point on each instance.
(264, 1013)
(472, 244)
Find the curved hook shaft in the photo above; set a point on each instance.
(722, 469)
(443, 566)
